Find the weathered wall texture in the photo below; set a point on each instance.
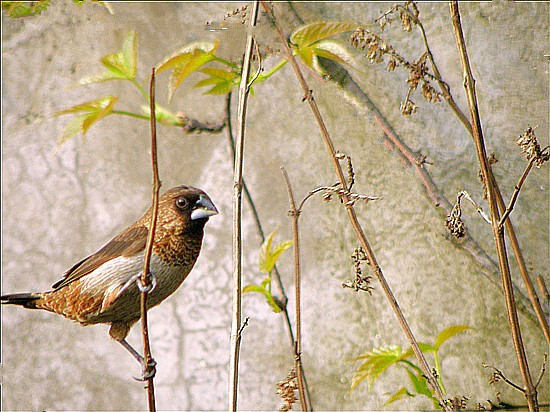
(59, 207)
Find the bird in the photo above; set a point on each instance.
(105, 286)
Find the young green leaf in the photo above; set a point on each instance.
(399, 395)
(269, 255)
(376, 362)
(93, 111)
(311, 33)
(163, 115)
(223, 80)
(17, 9)
(269, 298)
(184, 54)
(449, 333)
(419, 383)
(179, 74)
(120, 66)
(333, 51)
(309, 43)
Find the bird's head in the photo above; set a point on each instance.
(185, 207)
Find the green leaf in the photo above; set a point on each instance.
(269, 298)
(120, 66)
(311, 33)
(183, 55)
(163, 115)
(219, 73)
(221, 88)
(424, 347)
(129, 53)
(93, 111)
(180, 73)
(449, 333)
(334, 51)
(223, 80)
(419, 383)
(123, 63)
(17, 9)
(399, 395)
(268, 255)
(376, 362)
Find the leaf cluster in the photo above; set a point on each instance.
(268, 257)
(378, 360)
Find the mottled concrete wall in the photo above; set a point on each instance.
(59, 207)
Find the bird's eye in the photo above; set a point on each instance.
(181, 202)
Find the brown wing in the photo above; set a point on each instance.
(128, 243)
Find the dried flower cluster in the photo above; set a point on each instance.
(406, 15)
(349, 168)
(240, 12)
(531, 147)
(377, 48)
(286, 390)
(454, 222)
(329, 191)
(360, 282)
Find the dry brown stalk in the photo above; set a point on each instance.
(295, 214)
(237, 210)
(469, 85)
(147, 357)
(353, 218)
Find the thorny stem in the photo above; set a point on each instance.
(237, 227)
(295, 214)
(147, 358)
(469, 84)
(353, 217)
(517, 188)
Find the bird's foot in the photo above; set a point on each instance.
(148, 371)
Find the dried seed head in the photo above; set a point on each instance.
(454, 222)
(405, 21)
(531, 147)
(286, 390)
(429, 93)
(360, 282)
(408, 107)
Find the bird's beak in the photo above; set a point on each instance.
(204, 208)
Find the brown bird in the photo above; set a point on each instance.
(103, 288)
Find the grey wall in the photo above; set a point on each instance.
(59, 207)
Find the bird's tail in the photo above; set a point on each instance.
(27, 300)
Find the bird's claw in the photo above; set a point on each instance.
(151, 366)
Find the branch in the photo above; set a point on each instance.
(469, 84)
(147, 287)
(295, 214)
(517, 188)
(237, 211)
(498, 375)
(353, 217)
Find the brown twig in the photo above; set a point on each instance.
(192, 125)
(147, 357)
(295, 214)
(353, 217)
(542, 370)
(517, 188)
(498, 375)
(469, 84)
(237, 211)
(542, 287)
(445, 89)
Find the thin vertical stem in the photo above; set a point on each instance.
(295, 214)
(147, 357)
(237, 211)
(488, 179)
(355, 222)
